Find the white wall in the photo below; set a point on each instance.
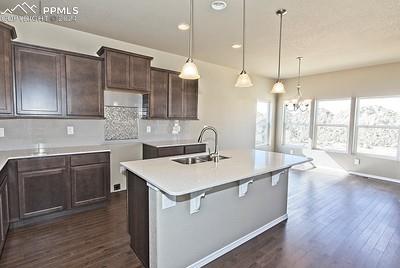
(231, 110)
(370, 81)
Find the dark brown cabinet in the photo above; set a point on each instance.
(164, 151)
(190, 98)
(90, 176)
(45, 185)
(42, 192)
(125, 70)
(56, 83)
(85, 95)
(39, 78)
(4, 209)
(171, 97)
(175, 96)
(6, 104)
(158, 106)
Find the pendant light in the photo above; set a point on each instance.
(298, 103)
(189, 69)
(243, 79)
(279, 87)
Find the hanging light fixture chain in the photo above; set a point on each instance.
(280, 47)
(191, 30)
(244, 35)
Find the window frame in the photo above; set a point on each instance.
(310, 125)
(316, 125)
(269, 128)
(357, 126)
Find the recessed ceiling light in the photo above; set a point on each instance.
(219, 4)
(236, 45)
(183, 26)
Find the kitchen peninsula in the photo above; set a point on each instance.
(186, 215)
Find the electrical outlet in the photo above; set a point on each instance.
(117, 187)
(148, 129)
(70, 130)
(1, 132)
(356, 161)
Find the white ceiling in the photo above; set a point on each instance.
(330, 35)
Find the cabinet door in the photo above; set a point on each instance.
(90, 184)
(4, 213)
(5, 72)
(39, 82)
(117, 70)
(159, 94)
(175, 96)
(190, 99)
(84, 87)
(139, 73)
(42, 192)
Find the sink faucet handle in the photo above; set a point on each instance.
(209, 151)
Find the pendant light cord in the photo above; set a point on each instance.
(280, 47)
(298, 76)
(191, 30)
(244, 34)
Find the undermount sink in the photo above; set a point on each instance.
(197, 159)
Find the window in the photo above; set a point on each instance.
(332, 125)
(296, 126)
(378, 126)
(263, 124)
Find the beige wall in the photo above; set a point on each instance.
(371, 81)
(231, 110)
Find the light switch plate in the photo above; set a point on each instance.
(356, 161)
(148, 129)
(70, 130)
(1, 132)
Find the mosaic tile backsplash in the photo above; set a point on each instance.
(122, 123)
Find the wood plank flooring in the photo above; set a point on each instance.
(334, 221)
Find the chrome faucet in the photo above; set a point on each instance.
(215, 155)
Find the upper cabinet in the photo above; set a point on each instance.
(125, 70)
(171, 97)
(159, 94)
(56, 83)
(175, 96)
(7, 33)
(39, 81)
(85, 95)
(190, 98)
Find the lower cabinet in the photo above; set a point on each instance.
(155, 152)
(42, 192)
(47, 185)
(4, 211)
(90, 184)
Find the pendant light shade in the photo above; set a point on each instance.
(243, 79)
(189, 69)
(279, 87)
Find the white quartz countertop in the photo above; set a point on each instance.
(168, 143)
(29, 153)
(178, 179)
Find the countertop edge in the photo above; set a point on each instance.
(172, 193)
(149, 143)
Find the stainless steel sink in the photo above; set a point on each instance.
(197, 159)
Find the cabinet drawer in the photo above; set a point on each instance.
(193, 149)
(40, 163)
(170, 151)
(88, 159)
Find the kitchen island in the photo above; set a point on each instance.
(186, 215)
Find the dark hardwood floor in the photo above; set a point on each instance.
(334, 221)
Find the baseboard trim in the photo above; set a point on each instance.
(235, 244)
(369, 176)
